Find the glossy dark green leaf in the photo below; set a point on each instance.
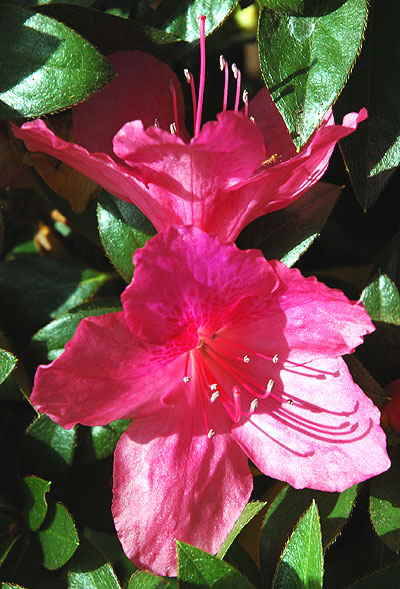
(203, 570)
(48, 447)
(99, 442)
(7, 363)
(143, 580)
(305, 61)
(386, 578)
(44, 65)
(286, 508)
(373, 153)
(301, 7)
(49, 341)
(58, 537)
(88, 569)
(123, 229)
(381, 298)
(35, 504)
(110, 547)
(384, 504)
(38, 288)
(250, 511)
(287, 234)
(181, 19)
(302, 563)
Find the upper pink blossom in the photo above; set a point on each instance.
(131, 140)
(219, 356)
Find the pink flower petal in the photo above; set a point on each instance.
(140, 90)
(271, 124)
(171, 483)
(281, 183)
(113, 176)
(187, 179)
(104, 374)
(320, 321)
(199, 283)
(325, 436)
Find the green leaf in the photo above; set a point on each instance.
(48, 343)
(143, 580)
(381, 298)
(7, 364)
(302, 562)
(250, 511)
(35, 504)
(11, 586)
(181, 19)
(58, 537)
(286, 508)
(89, 570)
(37, 288)
(287, 234)
(48, 447)
(387, 578)
(99, 441)
(203, 570)
(44, 65)
(123, 229)
(373, 153)
(306, 60)
(384, 505)
(110, 547)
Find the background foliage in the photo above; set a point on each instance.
(67, 255)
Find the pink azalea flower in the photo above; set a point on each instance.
(219, 356)
(232, 171)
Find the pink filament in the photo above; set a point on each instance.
(238, 77)
(172, 89)
(202, 81)
(190, 81)
(224, 67)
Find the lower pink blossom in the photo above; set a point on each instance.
(218, 356)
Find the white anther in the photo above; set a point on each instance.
(213, 387)
(270, 385)
(235, 70)
(275, 359)
(186, 379)
(156, 123)
(245, 96)
(172, 128)
(211, 433)
(222, 62)
(246, 359)
(253, 405)
(289, 402)
(188, 75)
(214, 397)
(252, 119)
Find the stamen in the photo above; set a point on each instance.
(238, 77)
(245, 98)
(214, 396)
(190, 81)
(172, 129)
(246, 359)
(213, 387)
(211, 434)
(270, 385)
(186, 379)
(202, 81)
(172, 90)
(223, 64)
(253, 405)
(156, 123)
